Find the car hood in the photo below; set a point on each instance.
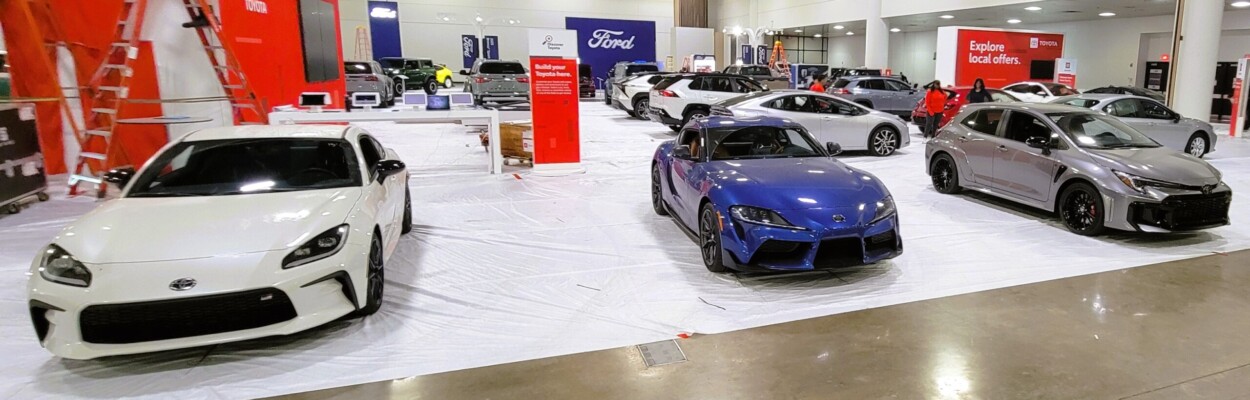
(797, 183)
(1159, 163)
(129, 230)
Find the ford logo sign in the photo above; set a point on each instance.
(182, 284)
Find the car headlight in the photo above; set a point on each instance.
(761, 216)
(1139, 184)
(319, 247)
(885, 208)
(59, 266)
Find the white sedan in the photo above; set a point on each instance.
(226, 234)
(1039, 92)
(829, 118)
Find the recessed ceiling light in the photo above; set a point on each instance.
(1241, 4)
(1033, 8)
(818, 35)
(895, 30)
(798, 31)
(849, 33)
(1013, 21)
(1106, 14)
(948, 16)
(839, 27)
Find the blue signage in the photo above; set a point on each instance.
(604, 42)
(491, 47)
(762, 54)
(468, 50)
(384, 29)
(748, 55)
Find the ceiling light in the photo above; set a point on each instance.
(848, 33)
(1106, 14)
(818, 35)
(798, 31)
(446, 19)
(737, 30)
(839, 27)
(1033, 8)
(1241, 4)
(1013, 21)
(478, 18)
(947, 16)
(896, 30)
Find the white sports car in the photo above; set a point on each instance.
(226, 234)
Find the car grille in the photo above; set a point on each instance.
(186, 317)
(773, 253)
(881, 242)
(838, 253)
(1184, 211)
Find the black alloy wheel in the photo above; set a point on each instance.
(709, 240)
(407, 224)
(945, 175)
(883, 142)
(377, 279)
(1081, 209)
(657, 198)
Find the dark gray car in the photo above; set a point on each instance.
(879, 93)
(496, 81)
(1093, 170)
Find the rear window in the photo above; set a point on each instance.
(742, 99)
(583, 70)
(638, 68)
(841, 83)
(392, 63)
(1083, 103)
(669, 81)
(358, 68)
(502, 68)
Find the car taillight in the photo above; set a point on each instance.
(523, 79)
(668, 93)
(371, 78)
(481, 79)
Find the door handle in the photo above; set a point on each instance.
(1002, 148)
(963, 138)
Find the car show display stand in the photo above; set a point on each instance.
(555, 102)
(22, 175)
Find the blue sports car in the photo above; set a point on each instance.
(762, 195)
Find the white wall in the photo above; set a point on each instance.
(792, 13)
(425, 35)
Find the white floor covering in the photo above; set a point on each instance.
(516, 267)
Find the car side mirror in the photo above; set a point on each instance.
(464, 72)
(682, 152)
(386, 168)
(833, 148)
(1176, 118)
(1039, 142)
(119, 176)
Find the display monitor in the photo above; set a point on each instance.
(437, 102)
(366, 99)
(461, 99)
(1042, 70)
(314, 99)
(415, 99)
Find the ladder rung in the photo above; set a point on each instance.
(96, 156)
(223, 67)
(75, 178)
(121, 44)
(213, 46)
(99, 132)
(114, 66)
(104, 110)
(232, 86)
(112, 88)
(252, 123)
(242, 105)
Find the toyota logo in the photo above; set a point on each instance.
(182, 284)
(839, 218)
(1208, 189)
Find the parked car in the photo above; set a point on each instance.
(1039, 92)
(1093, 170)
(1153, 119)
(828, 118)
(956, 98)
(879, 93)
(227, 234)
(496, 80)
(680, 98)
(585, 81)
(444, 76)
(411, 73)
(622, 71)
(1129, 90)
(761, 194)
(367, 76)
(634, 94)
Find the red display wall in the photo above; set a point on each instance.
(553, 92)
(268, 46)
(1002, 57)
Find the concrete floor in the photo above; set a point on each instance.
(1176, 330)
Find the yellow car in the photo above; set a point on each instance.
(443, 75)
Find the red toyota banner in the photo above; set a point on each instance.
(1005, 57)
(554, 97)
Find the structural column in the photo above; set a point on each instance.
(876, 38)
(1192, 84)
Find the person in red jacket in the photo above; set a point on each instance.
(935, 105)
(818, 84)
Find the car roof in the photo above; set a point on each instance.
(1038, 107)
(268, 132)
(745, 122)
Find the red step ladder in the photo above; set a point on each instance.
(246, 107)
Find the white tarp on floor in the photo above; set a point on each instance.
(509, 268)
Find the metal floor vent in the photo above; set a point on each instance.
(661, 353)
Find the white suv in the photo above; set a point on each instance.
(678, 99)
(632, 95)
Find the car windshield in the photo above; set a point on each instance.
(841, 83)
(394, 63)
(761, 142)
(246, 166)
(1060, 90)
(1098, 131)
(640, 68)
(358, 67)
(742, 99)
(502, 68)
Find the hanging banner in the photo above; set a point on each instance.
(554, 100)
(1000, 57)
(491, 48)
(384, 29)
(761, 54)
(468, 50)
(748, 55)
(604, 42)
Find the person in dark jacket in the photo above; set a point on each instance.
(978, 94)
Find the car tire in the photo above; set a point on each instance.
(883, 141)
(945, 175)
(407, 222)
(431, 86)
(1197, 145)
(448, 83)
(657, 192)
(709, 240)
(376, 277)
(400, 87)
(694, 114)
(607, 96)
(640, 108)
(1081, 209)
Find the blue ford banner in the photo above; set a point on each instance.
(748, 55)
(468, 50)
(762, 54)
(384, 29)
(603, 42)
(490, 49)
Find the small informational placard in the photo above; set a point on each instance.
(1065, 72)
(553, 43)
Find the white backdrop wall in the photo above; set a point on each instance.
(425, 35)
(792, 13)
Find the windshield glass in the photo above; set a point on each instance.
(638, 68)
(1097, 131)
(244, 166)
(761, 142)
(396, 63)
(358, 67)
(1060, 90)
(502, 68)
(733, 101)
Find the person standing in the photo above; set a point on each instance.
(935, 106)
(978, 94)
(818, 84)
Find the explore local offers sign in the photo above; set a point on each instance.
(1004, 57)
(604, 42)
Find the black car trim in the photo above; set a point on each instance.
(345, 280)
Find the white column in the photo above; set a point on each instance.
(1193, 84)
(876, 38)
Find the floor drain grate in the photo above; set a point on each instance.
(661, 353)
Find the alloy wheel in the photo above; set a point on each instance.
(1080, 211)
(377, 275)
(943, 176)
(641, 108)
(885, 142)
(657, 202)
(709, 242)
(1197, 146)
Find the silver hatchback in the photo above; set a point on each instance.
(1093, 170)
(1152, 118)
(496, 80)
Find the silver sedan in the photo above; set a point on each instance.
(829, 118)
(1095, 171)
(1151, 118)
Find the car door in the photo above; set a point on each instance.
(718, 88)
(1019, 169)
(979, 142)
(1130, 112)
(841, 122)
(799, 108)
(681, 177)
(378, 194)
(874, 90)
(904, 95)
(1165, 126)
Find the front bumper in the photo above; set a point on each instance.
(750, 247)
(659, 115)
(503, 96)
(1167, 210)
(378, 87)
(130, 308)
